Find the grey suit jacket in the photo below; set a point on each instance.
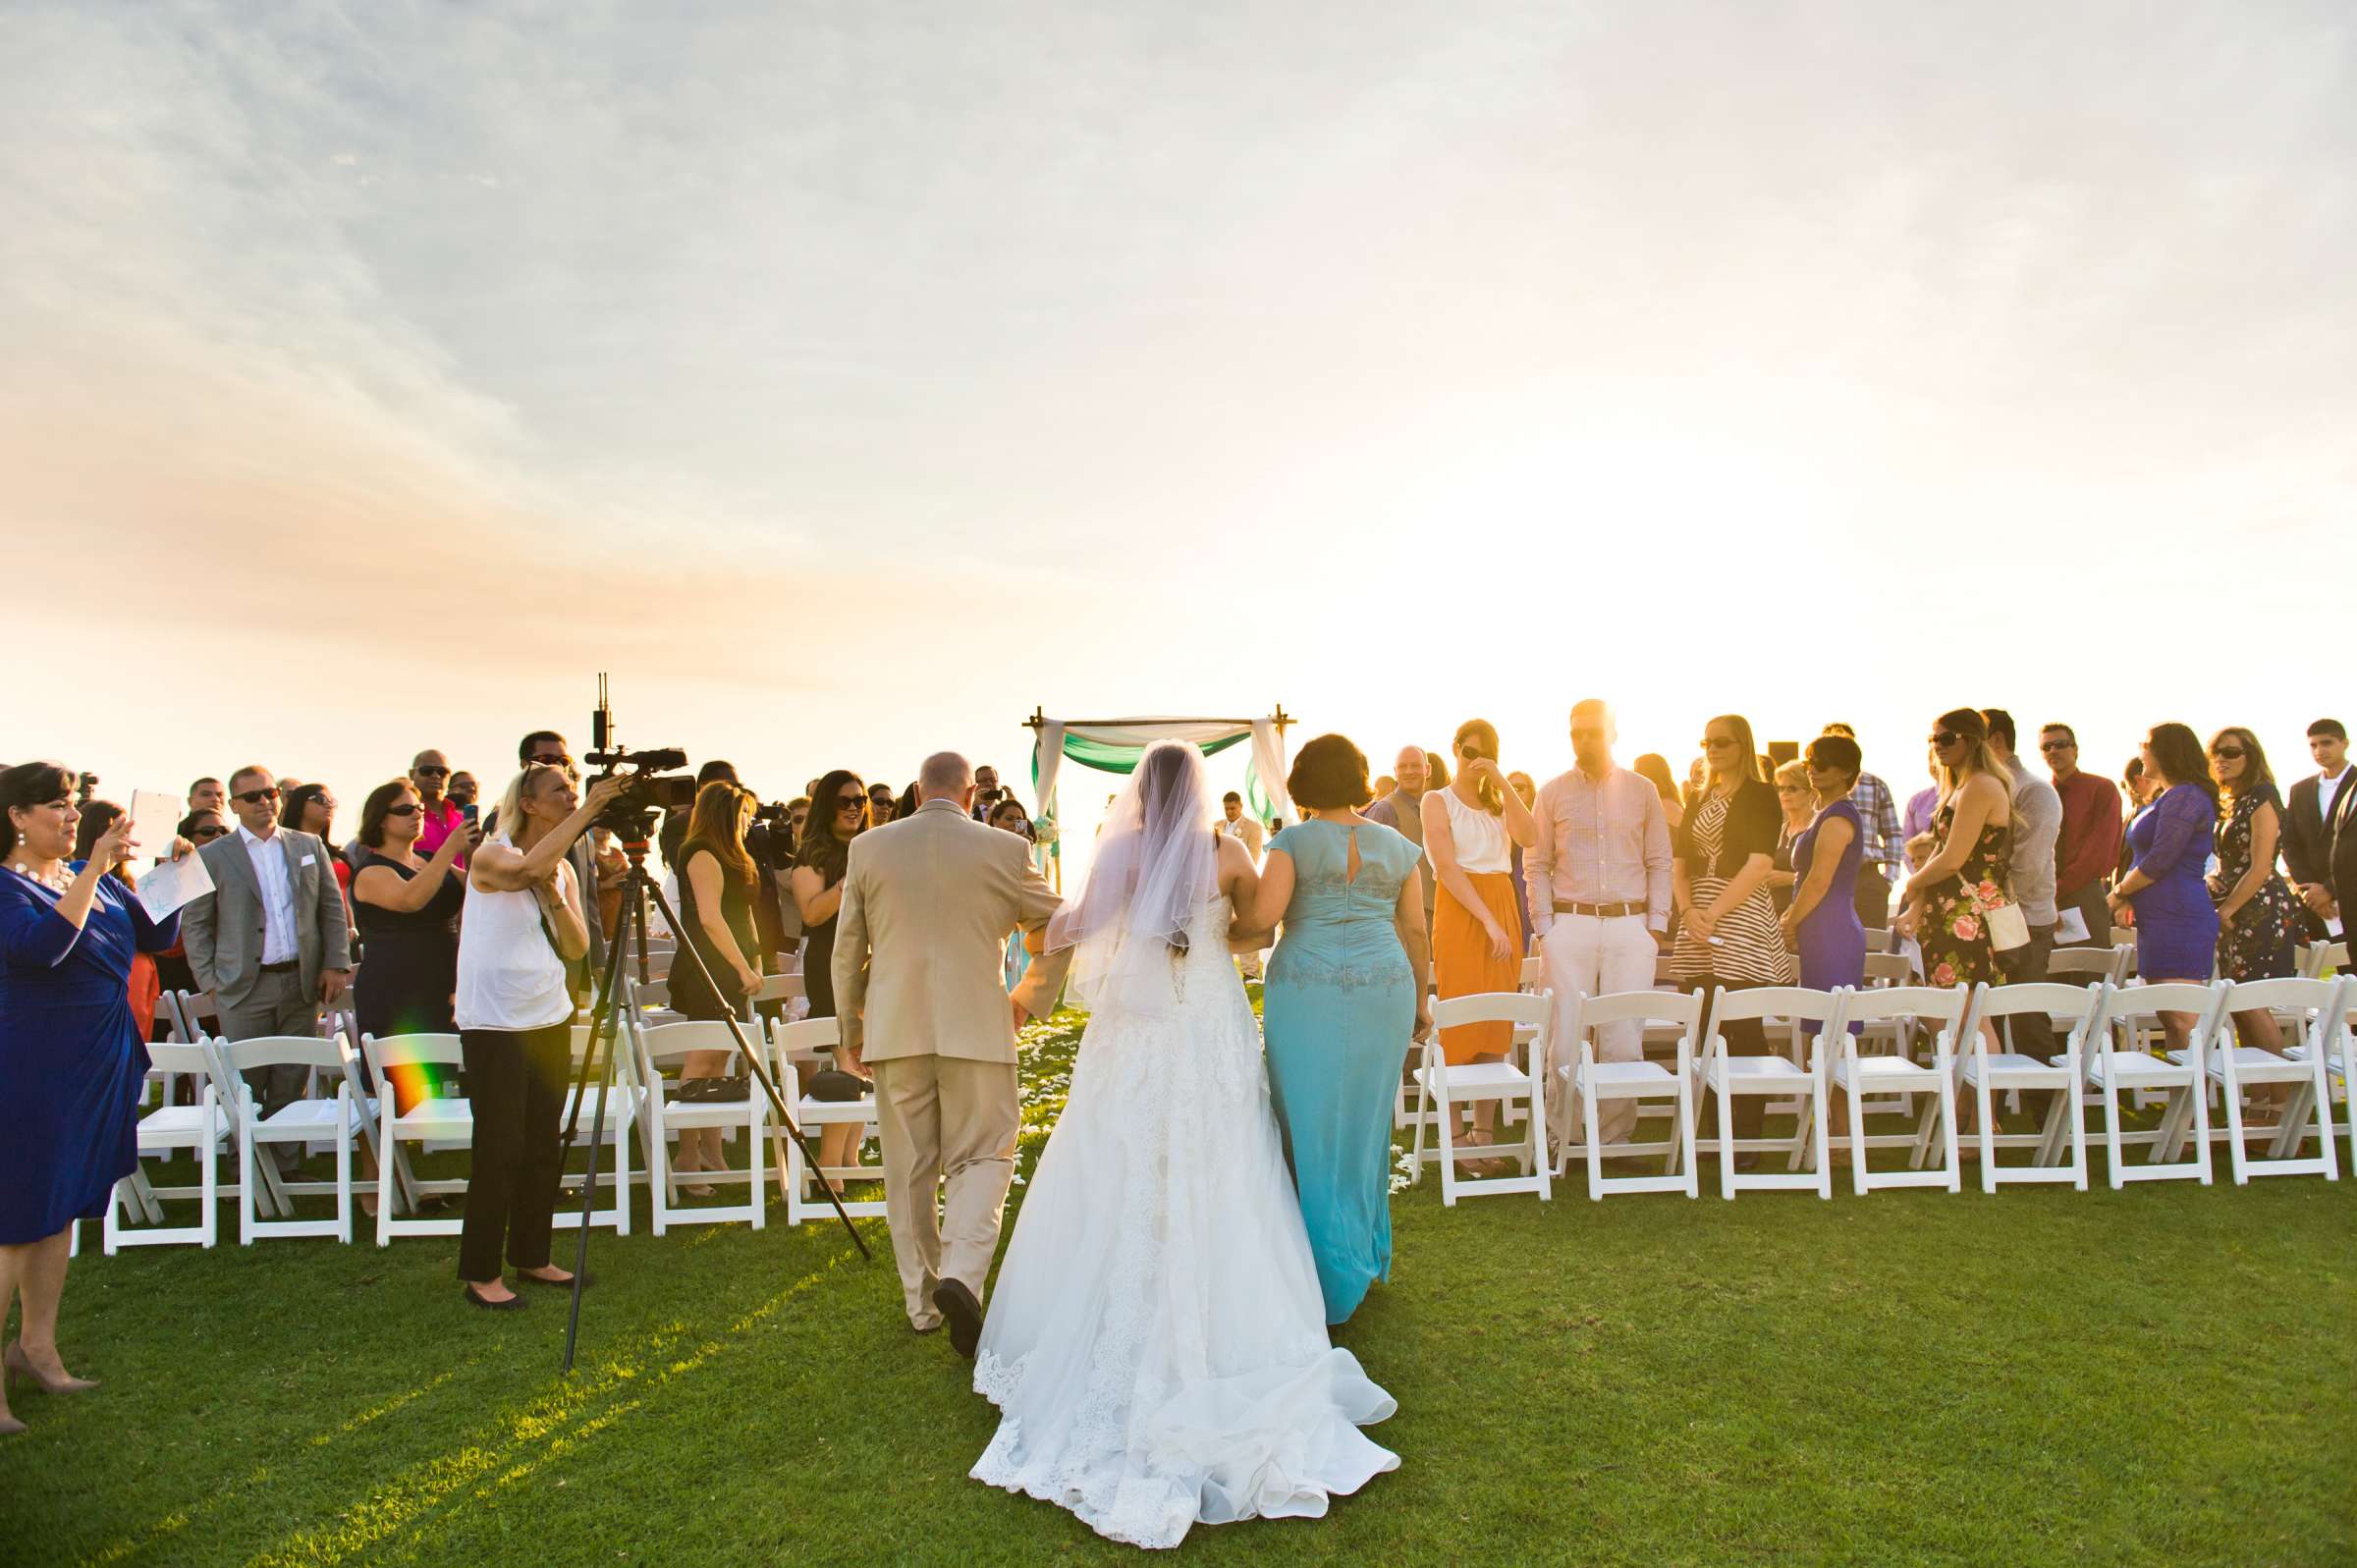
(222, 929)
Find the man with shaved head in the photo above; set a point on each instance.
(1402, 811)
(920, 950)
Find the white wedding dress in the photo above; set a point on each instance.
(1156, 1344)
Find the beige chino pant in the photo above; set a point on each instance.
(944, 1118)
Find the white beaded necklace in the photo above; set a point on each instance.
(54, 882)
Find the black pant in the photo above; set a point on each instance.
(2095, 908)
(517, 1081)
(2033, 1032)
(1744, 1038)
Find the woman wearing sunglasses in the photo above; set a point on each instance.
(840, 807)
(1946, 904)
(407, 905)
(2166, 894)
(2258, 917)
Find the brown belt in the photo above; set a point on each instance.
(1602, 911)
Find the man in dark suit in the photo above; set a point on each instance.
(2309, 814)
(271, 941)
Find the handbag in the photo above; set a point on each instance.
(708, 1090)
(2008, 927)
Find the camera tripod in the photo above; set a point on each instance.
(605, 1027)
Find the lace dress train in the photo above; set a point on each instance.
(1156, 1344)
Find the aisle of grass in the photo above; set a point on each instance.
(2165, 1374)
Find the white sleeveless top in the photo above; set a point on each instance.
(1482, 844)
(509, 976)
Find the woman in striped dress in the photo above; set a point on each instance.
(1728, 936)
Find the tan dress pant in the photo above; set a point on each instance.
(944, 1118)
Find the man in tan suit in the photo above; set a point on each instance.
(920, 993)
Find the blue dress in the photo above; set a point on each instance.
(71, 1058)
(1338, 1008)
(1833, 941)
(2176, 924)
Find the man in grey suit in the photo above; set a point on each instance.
(271, 941)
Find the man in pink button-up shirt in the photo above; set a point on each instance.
(1599, 887)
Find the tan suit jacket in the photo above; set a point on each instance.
(920, 947)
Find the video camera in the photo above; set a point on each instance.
(653, 786)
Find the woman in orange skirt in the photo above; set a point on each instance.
(1470, 829)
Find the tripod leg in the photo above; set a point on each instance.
(605, 1023)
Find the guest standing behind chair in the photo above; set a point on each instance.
(2308, 817)
(1009, 816)
(840, 809)
(522, 928)
(2037, 823)
(2166, 894)
(73, 1059)
(310, 808)
(407, 907)
(1880, 862)
(1345, 995)
(2257, 918)
(146, 985)
(200, 828)
(1946, 905)
(1799, 807)
(1728, 937)
(1469, 831)
(272, 941)
(718, 883)
(1402, 811)
(2087, 848)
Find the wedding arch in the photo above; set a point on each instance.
(1114, 745)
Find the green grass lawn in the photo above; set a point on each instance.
(2165, 1374)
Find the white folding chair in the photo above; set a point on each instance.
(2333, 1051)
(1646, 1081)
(2117, 1065)
(1940, 1011)
(1442, 1087)
(2318, 960)
(200, 1128)
(1887, 969)
(300, 1122)
(2234, 1067)
(2087, 965)
(623, 1098)
(430, 1123)
(669, 1045)
(809, 1041)
(1771, 1076)
(2079, 1013)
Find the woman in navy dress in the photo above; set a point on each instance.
(2166, 895)
(71, 1058)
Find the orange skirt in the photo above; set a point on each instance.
(1461, 965)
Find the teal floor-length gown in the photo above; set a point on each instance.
(1338, 1008)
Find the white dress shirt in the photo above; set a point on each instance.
(269, 860)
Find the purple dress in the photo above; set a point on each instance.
(2176, 924)
(1833, 941)
(71, 1058)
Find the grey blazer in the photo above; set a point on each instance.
(222, 929)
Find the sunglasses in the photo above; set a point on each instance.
(432, 772)
(256, 796)
(1708, 744)
(1791, 789)
(850, 802)
(2228, 753)
(557, 759)
(2058, 746)
(1943, 740)
(207, 834)
(409, 810)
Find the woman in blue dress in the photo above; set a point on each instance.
(2166, 895)
(71, 1058)
(1344, 994)
(1820, 923)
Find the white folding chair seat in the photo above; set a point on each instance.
(2117, 1066)
(1649, 1083)
(1518, 1085)
(1773, 1078)
(664, 1044)
(433, 1124)
(2310, 1006)
(199, 1129)
(809, 1041)
(1939, 1013)
(1987, 1073)
(305, 1123)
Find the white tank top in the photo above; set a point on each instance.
(1482, 844)
(509, 976)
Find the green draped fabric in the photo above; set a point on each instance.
(1107, 758)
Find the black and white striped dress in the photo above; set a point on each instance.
(1751, 950)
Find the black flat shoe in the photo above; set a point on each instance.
(589, 1278)
(512, 1304)
(964, 1314)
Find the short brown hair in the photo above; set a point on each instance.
(1329, 772)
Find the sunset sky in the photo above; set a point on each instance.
(850, 379)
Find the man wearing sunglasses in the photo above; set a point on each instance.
(429, 773)
(2087, 850)
(271, 941)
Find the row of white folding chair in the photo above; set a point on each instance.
(2318, 1010)
(1517, 1085)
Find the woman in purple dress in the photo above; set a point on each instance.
(72, 1056)
(2166, 895)
(1820, 922)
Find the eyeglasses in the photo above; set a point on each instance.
(850, 802)
(1708, 745)
(1943, 740)
(1791, 789)
(555, 759)
(324, 805)
(256, 796)
(2058, 746)
(209, 835)
(409, 810)
(434, 773)
(2226, 753)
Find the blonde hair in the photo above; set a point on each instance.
(1796, 772)
(509, 818)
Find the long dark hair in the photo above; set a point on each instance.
(29, 784)
(823, 849)
(2177, 751)
(291, 809)
(1481, 736)
(377, 807)
(97, 818)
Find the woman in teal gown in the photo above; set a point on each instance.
(1341, 1004)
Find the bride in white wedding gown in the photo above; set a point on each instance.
(1156, 1344)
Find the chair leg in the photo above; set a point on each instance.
(2237, 1161)
(1682, 1108)
(344, 1172)
(756, 1194)
(1590, 1125)
(208, 1177)
(2111, 1121)
(1857, 1132)
(1727, 1141)
(1818, 1107)
(1447, 1139)
(1415, 1162)
(1945, 1105)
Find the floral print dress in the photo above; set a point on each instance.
(1955, 934)
(2262, 941)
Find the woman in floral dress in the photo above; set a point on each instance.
(1945, 906)
(2257, 918)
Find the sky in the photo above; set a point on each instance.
(850, 379)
